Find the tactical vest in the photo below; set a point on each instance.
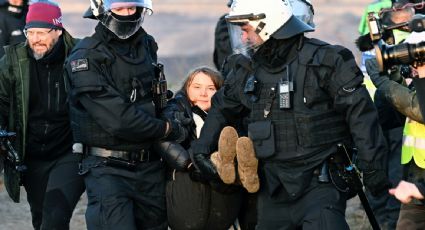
(413, 143)
(132, 78)
(299, 131)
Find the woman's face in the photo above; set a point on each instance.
(200, 91)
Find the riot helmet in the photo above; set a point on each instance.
(122, 26)
(268, 18)
(303, 10)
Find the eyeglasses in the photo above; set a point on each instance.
(40, 34)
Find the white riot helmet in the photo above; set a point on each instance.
(269, 18)
(123, 28)
(303, 10)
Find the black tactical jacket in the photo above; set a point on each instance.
(111, 91)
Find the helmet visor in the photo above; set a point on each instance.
(108, 5)
(239, 40)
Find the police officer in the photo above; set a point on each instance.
(303, 97)
(111, 75)
(12, 22)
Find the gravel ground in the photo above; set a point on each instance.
(184, 30)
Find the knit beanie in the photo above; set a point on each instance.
(44, 14)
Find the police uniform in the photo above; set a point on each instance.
(113, 115)
(324, 104)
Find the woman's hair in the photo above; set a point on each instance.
(215, 77)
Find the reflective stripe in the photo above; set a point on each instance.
(413, 143)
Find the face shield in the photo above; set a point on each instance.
(124, 26)
(242, 34)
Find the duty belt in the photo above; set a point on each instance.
(141, 155)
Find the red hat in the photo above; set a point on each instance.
(44, 14)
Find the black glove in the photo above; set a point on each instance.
(376, 181)
(175, 132)
(182, 118)
(174, 154)
(372, 69)
(204, 164)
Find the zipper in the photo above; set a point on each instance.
(46, 128)
(57, 96)
(48, 88)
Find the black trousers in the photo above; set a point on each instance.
(53, 190)
(321, 207)
(194, 205)
(122, 199)
(248, 213)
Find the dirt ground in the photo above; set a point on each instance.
(184, 30)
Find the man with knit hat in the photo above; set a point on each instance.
(33, 103)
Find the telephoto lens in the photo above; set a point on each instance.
(404, 53)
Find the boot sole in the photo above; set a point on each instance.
(227, 153)
(247, 164)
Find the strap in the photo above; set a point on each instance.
(307, 56)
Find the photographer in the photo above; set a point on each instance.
(406, 102)
(386, 207)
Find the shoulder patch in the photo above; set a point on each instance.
(79, 65)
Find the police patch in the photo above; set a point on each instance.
(79, 65)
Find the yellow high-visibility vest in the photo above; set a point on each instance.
(413, 143)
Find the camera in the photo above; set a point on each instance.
(401, 54)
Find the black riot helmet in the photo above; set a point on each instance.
(122, 26)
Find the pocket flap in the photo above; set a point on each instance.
(259, 130)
